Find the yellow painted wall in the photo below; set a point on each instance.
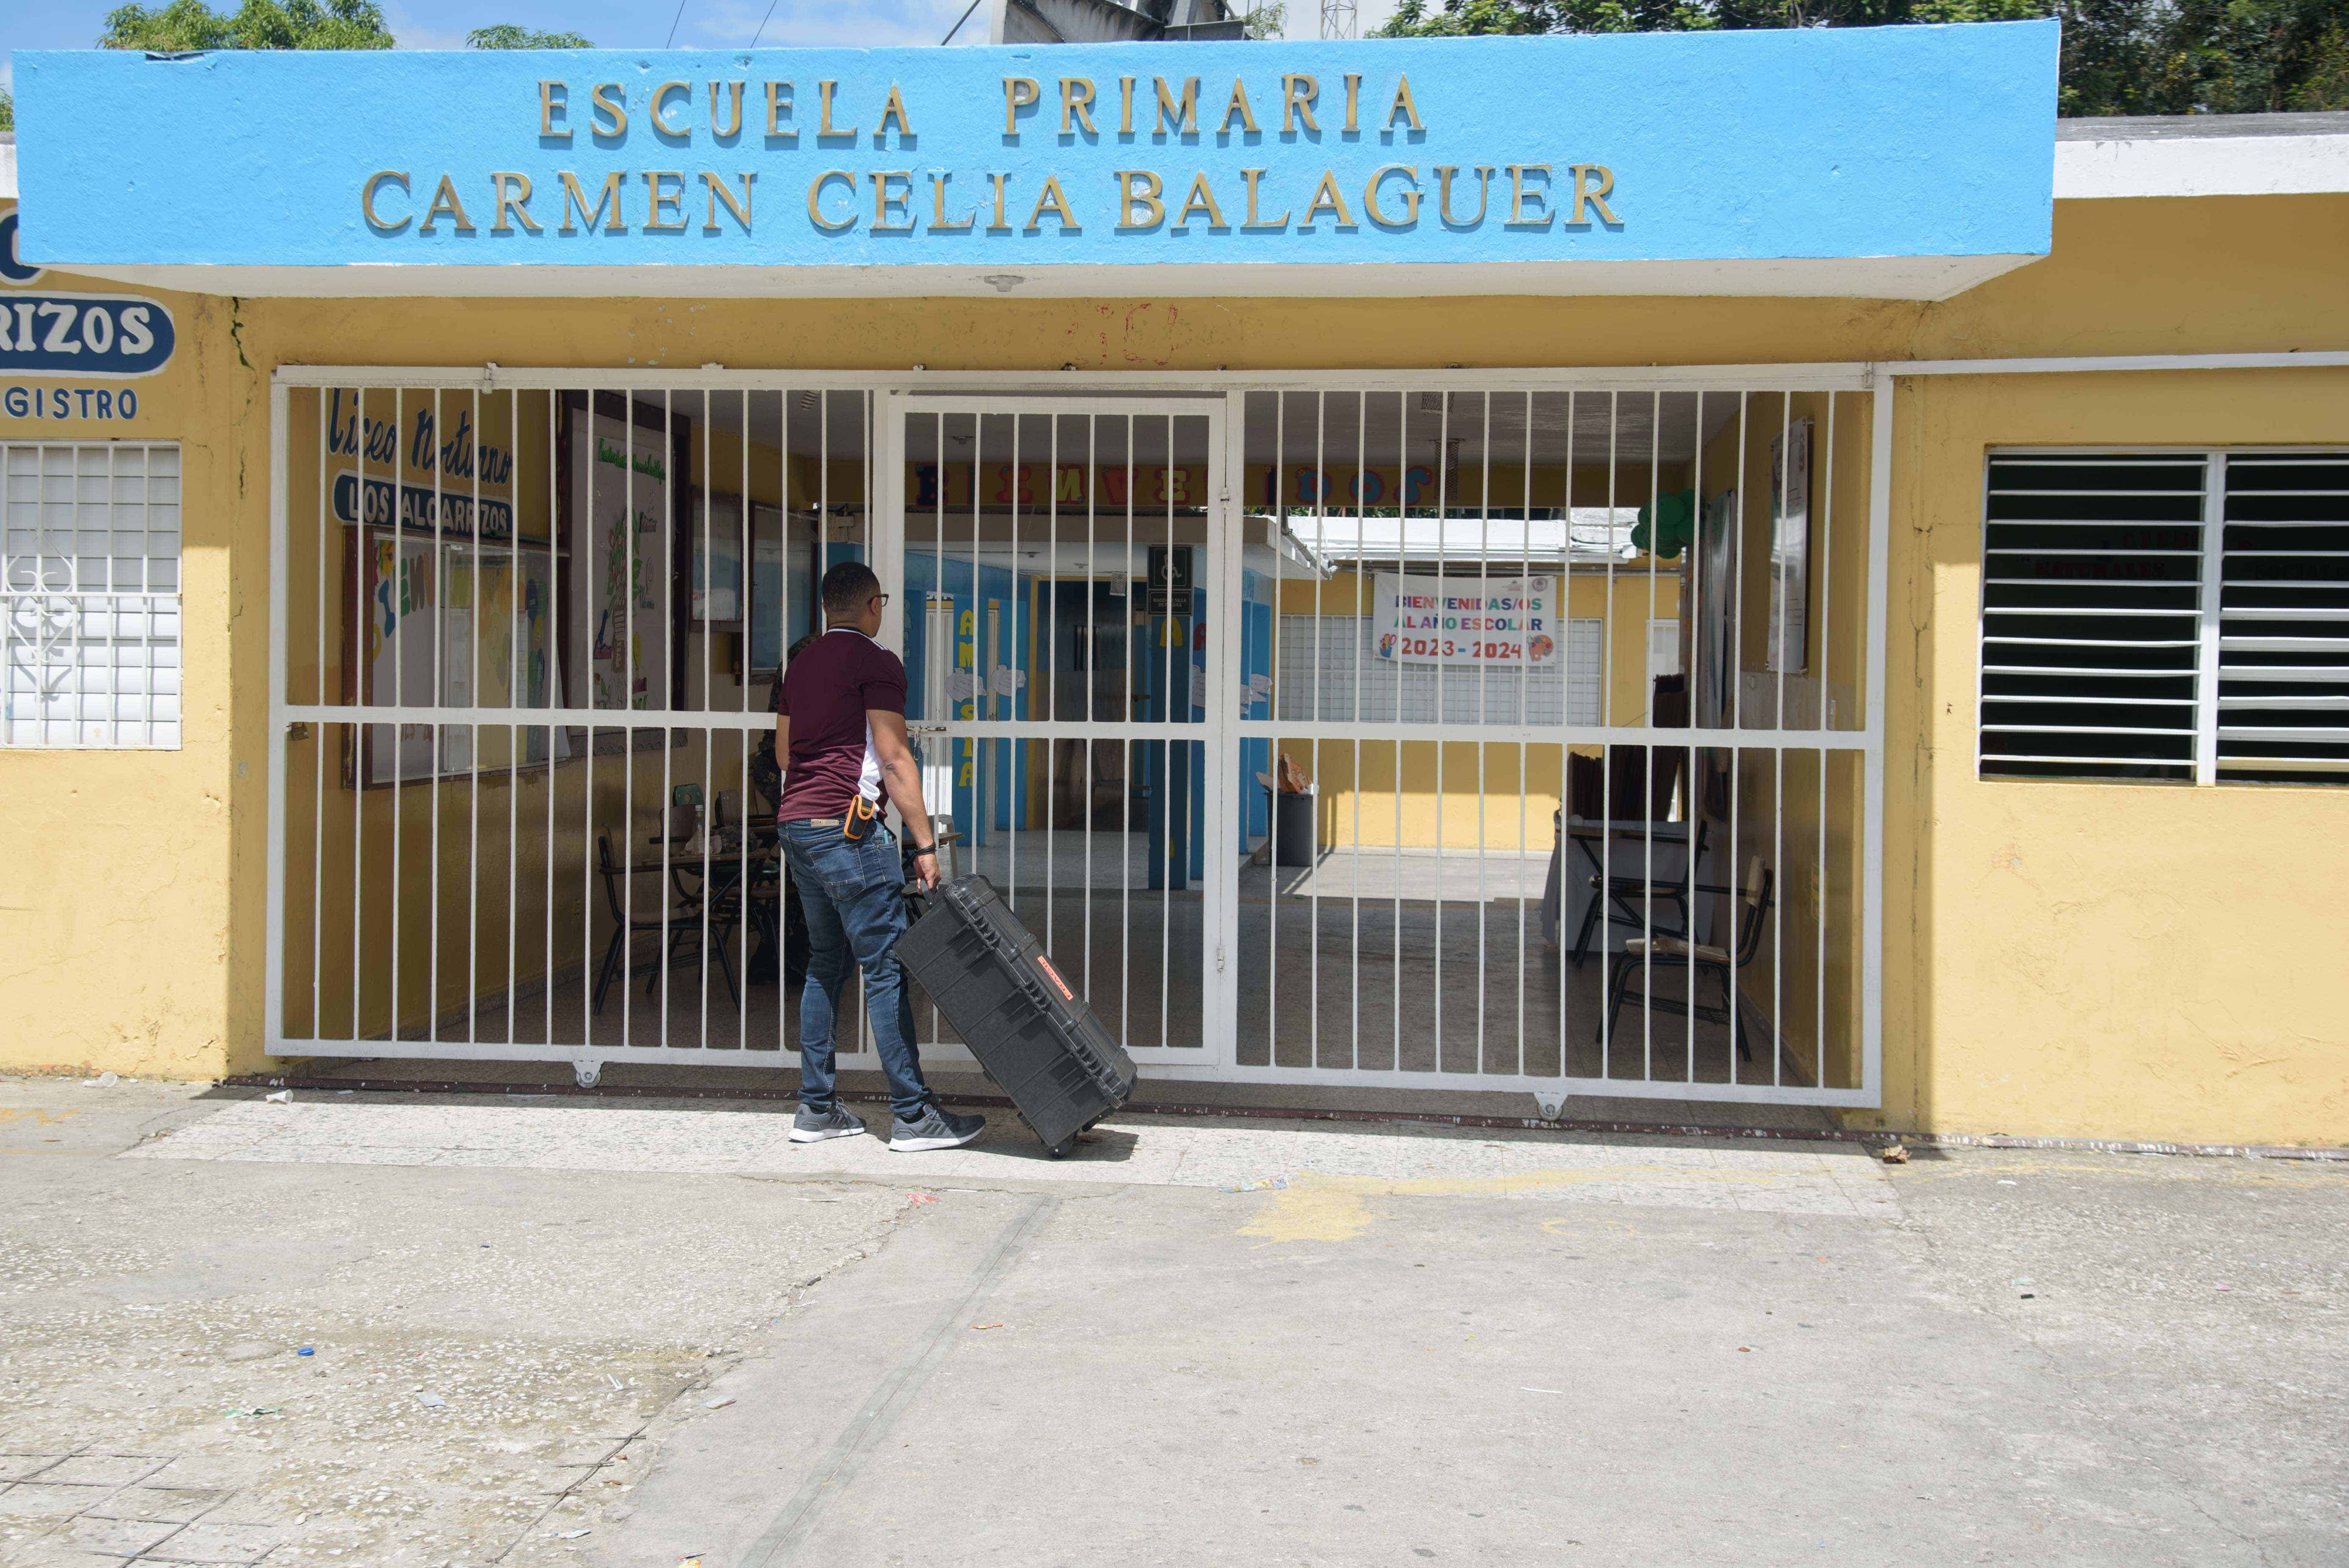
(2079, 958)
(2119, 960)
(117, 940)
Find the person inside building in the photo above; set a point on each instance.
(840, 732)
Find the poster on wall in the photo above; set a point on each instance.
(494, 651)
(1790, 549)
(620, 491)
(1420, 618)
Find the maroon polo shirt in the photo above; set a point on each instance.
(825, 694)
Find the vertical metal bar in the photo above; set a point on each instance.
(1403, 537)
(1734, 687)
(587, 864)
(1608, 805)
(398, 692)
(361, 739)
(1562, 844)
(473, 762)
(745, 607)
(1166, 773)
(1525, 718)
(1092, 675)
(273, 1006)
(1313, 886)
(823, 555)
(1778, 743)
(1444, 503)
(1007, 707)
(1484, 612)
(554, 607)
(627, 850)
(1647, 746)
(705, 536)
(1827, 702)
(1125, 871)
(318, 731)
(1879, 534)
(514, 703)
(2207, 618)
(439, 768)
(1361, 640)
(785, 892)
(1692, 811)
(665, 556)
(1272, 754)
(1050, 664)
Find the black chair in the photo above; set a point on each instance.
(1625, 900)
(1679, 952)
(682, 921)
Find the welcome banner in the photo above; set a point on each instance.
(1426, 619)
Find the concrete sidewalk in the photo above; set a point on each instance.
(657, 1330)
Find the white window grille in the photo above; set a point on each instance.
(2173, 615)
(89, 596)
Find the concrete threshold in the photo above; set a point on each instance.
(1178, 1098)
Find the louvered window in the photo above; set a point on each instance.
(2283, 615)
(2176, 615)
(2092, 571)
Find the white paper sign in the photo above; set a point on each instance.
(1426, 619)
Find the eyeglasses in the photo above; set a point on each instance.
(881, 601)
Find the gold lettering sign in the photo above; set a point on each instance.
(1544, 198)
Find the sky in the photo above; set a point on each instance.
(615, 23)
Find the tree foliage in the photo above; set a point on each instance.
(8, 109)
(506, 36)
(188, 25)
(2119, 56)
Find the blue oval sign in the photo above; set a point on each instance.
(11, 270)
(83, 334)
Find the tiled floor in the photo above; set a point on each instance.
(84, 1506)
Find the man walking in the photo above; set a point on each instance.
(840, 734)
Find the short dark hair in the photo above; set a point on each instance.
(847, 586)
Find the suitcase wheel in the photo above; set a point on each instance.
(1059, 1151)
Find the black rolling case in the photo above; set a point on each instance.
(1029, 1030)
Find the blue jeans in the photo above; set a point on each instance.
(853, 897)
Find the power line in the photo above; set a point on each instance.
(959, 22)
(762, 22)
(674, 20)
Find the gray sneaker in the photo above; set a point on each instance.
(935, 1128)
(815, 1126)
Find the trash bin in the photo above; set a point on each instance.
(1296, 826)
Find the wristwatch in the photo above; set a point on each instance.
(918, 851)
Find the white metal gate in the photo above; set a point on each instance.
(1613, 829)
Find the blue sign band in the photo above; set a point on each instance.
(1767, 145)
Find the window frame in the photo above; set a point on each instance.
(156, 731)
(2209, 609)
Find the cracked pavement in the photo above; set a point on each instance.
(559, 1330)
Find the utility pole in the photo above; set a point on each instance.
(1337, 19)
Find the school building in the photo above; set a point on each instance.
(1746, 568)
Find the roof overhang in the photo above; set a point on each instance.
(2202, 155)
(1888, 162)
